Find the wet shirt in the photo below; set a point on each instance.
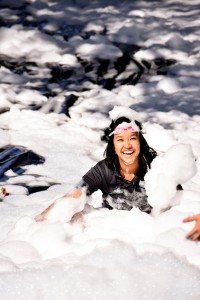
(118, 192)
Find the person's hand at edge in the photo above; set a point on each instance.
(194, 234)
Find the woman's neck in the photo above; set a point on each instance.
(129, 171)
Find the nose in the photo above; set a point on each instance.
(127, 144)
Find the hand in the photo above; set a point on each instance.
(42, 217)
(78, 218)
(194, 234)
(76, 193)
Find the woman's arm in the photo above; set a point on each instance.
(194, 234)
(75, 193)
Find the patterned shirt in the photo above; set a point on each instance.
(118, 192)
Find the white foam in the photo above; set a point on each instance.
(102, 254)
(165, 174)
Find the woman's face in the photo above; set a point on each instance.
(127, 147)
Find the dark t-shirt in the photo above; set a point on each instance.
(118, 192)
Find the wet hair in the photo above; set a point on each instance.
(147, 154)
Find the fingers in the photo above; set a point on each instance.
(189, 219)
(40, 218)
(77, 218)
(192, 218)
(190, 234)
(194, 236)
(43, 215)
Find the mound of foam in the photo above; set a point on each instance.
(175, 167)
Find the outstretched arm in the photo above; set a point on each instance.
(75, 193)
(194, 234)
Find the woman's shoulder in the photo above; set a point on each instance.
(104, 168)
(100, 171)
(104, 164)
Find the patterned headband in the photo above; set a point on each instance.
(130, 127)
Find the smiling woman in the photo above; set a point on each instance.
(120, 176)
(127, 148)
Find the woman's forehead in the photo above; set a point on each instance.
(126, 133)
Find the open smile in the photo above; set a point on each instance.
(128, 153)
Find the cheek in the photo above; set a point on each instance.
(114, 144)
(137, 147)
(116, 147)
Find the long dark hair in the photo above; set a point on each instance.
(147, 154)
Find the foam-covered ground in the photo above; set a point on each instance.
(145, 55)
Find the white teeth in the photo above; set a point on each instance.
(130, 152)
